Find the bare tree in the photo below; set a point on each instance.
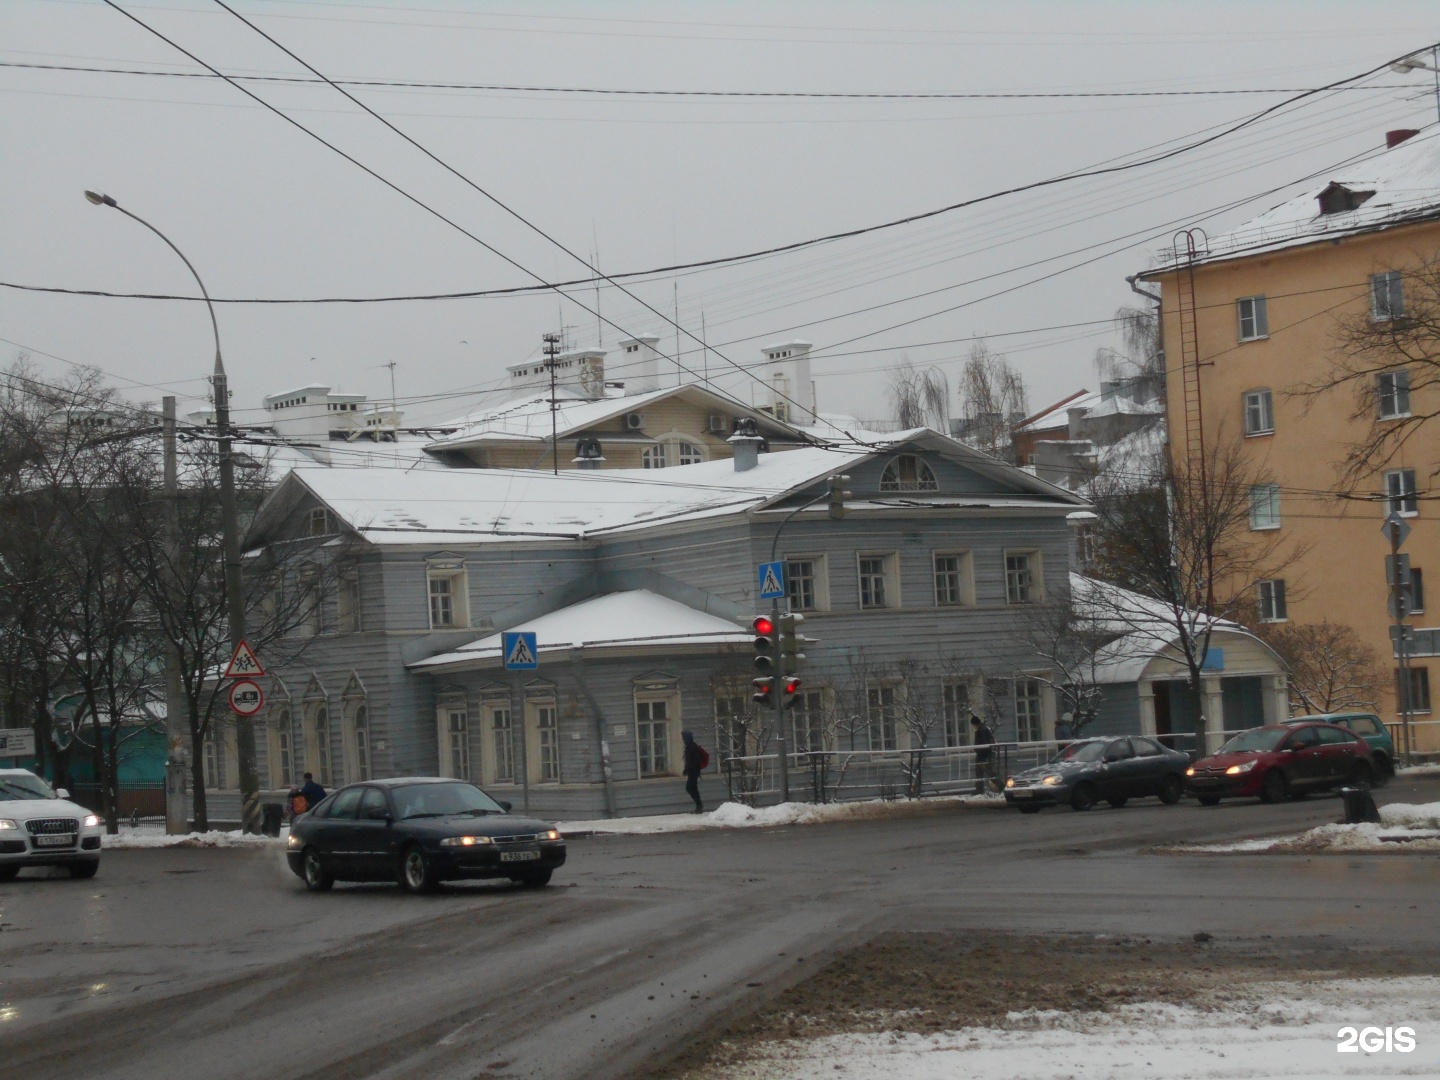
(1179, 544)
(1065, 635)
(1388, 358)
(919, 398)
(1331, 669)
(1141, 357)
(742, 736)
(992, 401)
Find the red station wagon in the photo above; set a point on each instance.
(1281, 761)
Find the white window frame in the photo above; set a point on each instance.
(1387, 296)
(1028, 700)
(670, 451)
(282, 749)
(819, 582)
(359, 756)
(1255, 311)
(1392, 394)
(883, 700)
(1270, 600)
(1419, 680)
(1417, 595)
(319, 523)
(1036, 572)
(1264, 507)
(963, 594)
(955, 711)
(889, 580)
(456, 576)
(1401, 495)
(501, 764)
(1259, 407)
(891, 478)
(665, 694)
(347, 601)
(319, 758)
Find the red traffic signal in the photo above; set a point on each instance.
(762, 690)
(791, 689)
(764, 625)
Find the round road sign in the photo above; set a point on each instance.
(246, 697)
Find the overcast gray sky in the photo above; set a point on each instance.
(265, 211)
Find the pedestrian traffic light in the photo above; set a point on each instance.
(790, 688)
(789, 642)
(838, 495)
(764, 644)
(763, 688)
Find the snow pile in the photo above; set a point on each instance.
(1403, 827)
(1291, 1032)
(131, 838)
(732, 815)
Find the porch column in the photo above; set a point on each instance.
(1146, 689)
(1276, 698)
(1212, 701)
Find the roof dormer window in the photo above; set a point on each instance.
(908, 473)
(1337, 199)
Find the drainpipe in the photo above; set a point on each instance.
(1139, 291)
(577, 666)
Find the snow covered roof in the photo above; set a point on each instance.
(1144, 628)
(1121, 405)
(1055, 415)
(638, 619)
(529, 417)
(1395, 187)
(469, 506)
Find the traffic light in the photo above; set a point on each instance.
(789, 643)
(764, 644)
(790, 688)
(762, 690)
(838, 495)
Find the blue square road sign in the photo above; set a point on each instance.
(520, 651)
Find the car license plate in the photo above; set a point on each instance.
(1021, 793)
(59, 840)
(518, 856)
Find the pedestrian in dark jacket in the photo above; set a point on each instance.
(311, 792)
(982, 738)
(695, 761)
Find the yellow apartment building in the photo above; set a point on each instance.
(1251, 317)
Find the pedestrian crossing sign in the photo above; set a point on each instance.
(772, 580)
(520, 651)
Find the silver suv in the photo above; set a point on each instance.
(41, 827)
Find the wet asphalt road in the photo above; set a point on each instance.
(215, 963)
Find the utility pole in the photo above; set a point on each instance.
(552, 350)
(176, 816)
(229, 526)
(1397, 570)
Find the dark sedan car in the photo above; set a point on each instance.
(1115, 769)
(1279, 761)
(419, 831)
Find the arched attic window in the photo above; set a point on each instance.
(668, 452)
(908, 473)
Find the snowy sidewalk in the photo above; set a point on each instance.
(1292, 1031)
(732, 815)
(1403, 828)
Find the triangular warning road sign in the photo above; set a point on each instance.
(244, 664)
(520, 654)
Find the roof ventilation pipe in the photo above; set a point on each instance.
(747, 443)
(588, 454)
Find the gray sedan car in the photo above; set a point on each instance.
(1115, 769)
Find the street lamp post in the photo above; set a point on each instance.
(229, 527)
(1414, 63)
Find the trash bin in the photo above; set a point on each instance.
(271, 816)
(1359, 805)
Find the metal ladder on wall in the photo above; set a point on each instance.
(1186, 250)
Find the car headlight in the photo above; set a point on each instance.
(1236, 770)
(465, 841)
(550, 834)
(1010, 782)
(92, 821)
(293, 841)
(1053, 779)
(6, 823)
(1190, 771)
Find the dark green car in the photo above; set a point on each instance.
(1370, 728)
